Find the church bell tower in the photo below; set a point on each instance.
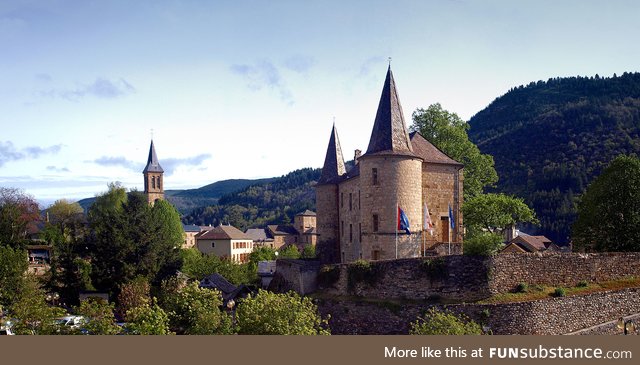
(153, 177)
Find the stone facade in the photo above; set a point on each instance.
(441, 186)
(328, 247)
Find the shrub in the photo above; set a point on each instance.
(309, 252)
(522, 288)
(328, 276)
(269, 313)
(362, 271)
(436, 322)
(582, 284)
(560, 292)
(148, 320)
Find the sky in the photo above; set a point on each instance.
(250, 89)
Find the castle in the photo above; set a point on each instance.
(358, 211)
(153, 174)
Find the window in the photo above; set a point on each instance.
(350, 203)
(153, 182)
(358, 199)
(374, 175)
(360, 234)
(213, 244)
(375, 255)
(375, 223)
(350, 232)
(341, 228)
(159, 182)
(341, 200)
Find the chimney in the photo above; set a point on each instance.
(356, 156)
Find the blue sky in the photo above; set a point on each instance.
(249, 89)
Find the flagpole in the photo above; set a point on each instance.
(397, 209)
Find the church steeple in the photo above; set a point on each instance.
(389, 133)
(333, 162)
(153, 177)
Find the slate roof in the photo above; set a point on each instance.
(333, 166)
(532, 243)
(389, 134)
(307, 213)
(152, 161)
(428, 152)
(217, 281)
(223, 233)
(190, 228)
(281, 229)
(258, 234)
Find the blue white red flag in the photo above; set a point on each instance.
(451, 220)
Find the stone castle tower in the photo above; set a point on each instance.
(153, 177)
(357, 209)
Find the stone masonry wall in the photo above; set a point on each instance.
(452, 277)
(441, 186)
(560, 269)
(552, 316)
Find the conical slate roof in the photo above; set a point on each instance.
(333, 162)
(389, 135)
(152, 162)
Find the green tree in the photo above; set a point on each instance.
(449, 133)
(436, 322)
(495, 213)
(483, 244)
(289, 252)
(130, 238)
(309, 252)
(32, 314)
(65, 232)
(13, 264)
(609, 211)
(18, 213)
(198, 265)
(269, 313)
(99, 317)
(195, 311)
(147, 320)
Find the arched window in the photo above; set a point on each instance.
(153, 182)
(159, 178)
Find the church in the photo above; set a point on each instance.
(401, 198)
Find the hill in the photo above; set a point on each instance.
(550, 139)
(274, 201)
(189, 199)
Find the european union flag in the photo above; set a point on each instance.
(403, 221)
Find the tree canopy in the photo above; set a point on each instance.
(495, 213)
(436, 322)
(609, 211)
(448, 132)
(18, 213)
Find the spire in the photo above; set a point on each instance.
(389, 129)
(152, 162)
(334, 162)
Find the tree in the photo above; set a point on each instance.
(289, 252)
(132, 295)
(130, 238)
(147, 320)
(494, 213)
(436, 322)
(198, 265)
(483, 244)
(18, 213)
(32, 314)
(196, 311)
(65, 231)
(99, 317)
(309, 252)
(609, 211)
(13, 264)
(269, 313)
(448, 132)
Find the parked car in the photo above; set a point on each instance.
(71, 321)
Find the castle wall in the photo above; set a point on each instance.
(350, 220)
(398, 183)
(442, 185)
(552, 316)
(328, 219)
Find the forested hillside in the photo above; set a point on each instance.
(550, 139)
(274, 201)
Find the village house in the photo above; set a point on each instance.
(225, 241)
(526, 243)
(401, 175)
